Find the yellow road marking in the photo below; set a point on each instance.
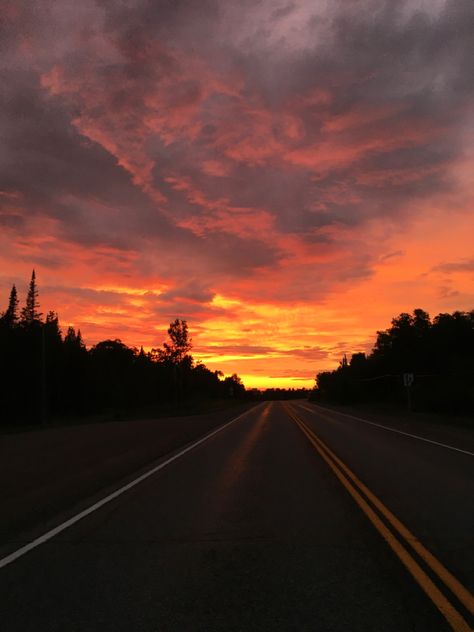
(454, 618)
(449, 580)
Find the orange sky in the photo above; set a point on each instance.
(287, 178)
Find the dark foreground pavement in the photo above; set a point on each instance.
(252, 531)
(47, 471)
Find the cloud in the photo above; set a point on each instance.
(446, 291)
(392, 255)
(275, 152)
(464, 265)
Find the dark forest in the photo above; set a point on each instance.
(50, 376)
(47, 374)
(422, 363)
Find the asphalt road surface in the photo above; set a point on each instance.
(290, 518)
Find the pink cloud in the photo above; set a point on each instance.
(219, 215)
(248, 170)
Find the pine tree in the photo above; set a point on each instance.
(70, 337)
(80, 341)
(10, 316)
(52, 319)
(52, 326)
(30, 313)
(73, 340)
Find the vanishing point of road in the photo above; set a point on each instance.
(291, 517)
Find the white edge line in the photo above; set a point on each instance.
(4, 561)
(372, 423)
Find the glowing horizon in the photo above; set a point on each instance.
(287, 178)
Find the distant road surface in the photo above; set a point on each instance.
(291, 517)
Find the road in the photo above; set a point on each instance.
(261, 527)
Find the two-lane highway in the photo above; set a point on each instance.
(252, 529)
(440, 585)
(430, 483)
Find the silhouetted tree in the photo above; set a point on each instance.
(76, 383)
(180, 344)
(234, 386)
(112, 366)
(358, 363)
(45, 372)
(10, 316)
(52, 360)
(439, 353)
(278, 393)
(73, 340)
(175, 356)
(30, 313)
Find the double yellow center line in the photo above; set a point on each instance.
(370, 505)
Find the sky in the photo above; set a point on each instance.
(287, 176)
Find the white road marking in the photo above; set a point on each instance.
(68, 523)
(372, 423)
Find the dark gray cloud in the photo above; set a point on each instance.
(202, 136)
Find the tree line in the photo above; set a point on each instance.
(438, 355)
(47, 374)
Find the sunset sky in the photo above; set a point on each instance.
(285, 175)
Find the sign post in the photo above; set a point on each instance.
(408, 379)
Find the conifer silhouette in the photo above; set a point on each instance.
(10, 316)
(30, 313)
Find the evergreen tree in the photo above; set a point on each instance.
(30, 313)
(73, 340)
(70, 337)
(52, 322)
(51, 328)
(10, 316)
(79, 340)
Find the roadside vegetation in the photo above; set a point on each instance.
(48, 375)
(52, 377)
(424, 364)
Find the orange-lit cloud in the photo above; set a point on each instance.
(287, 178)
